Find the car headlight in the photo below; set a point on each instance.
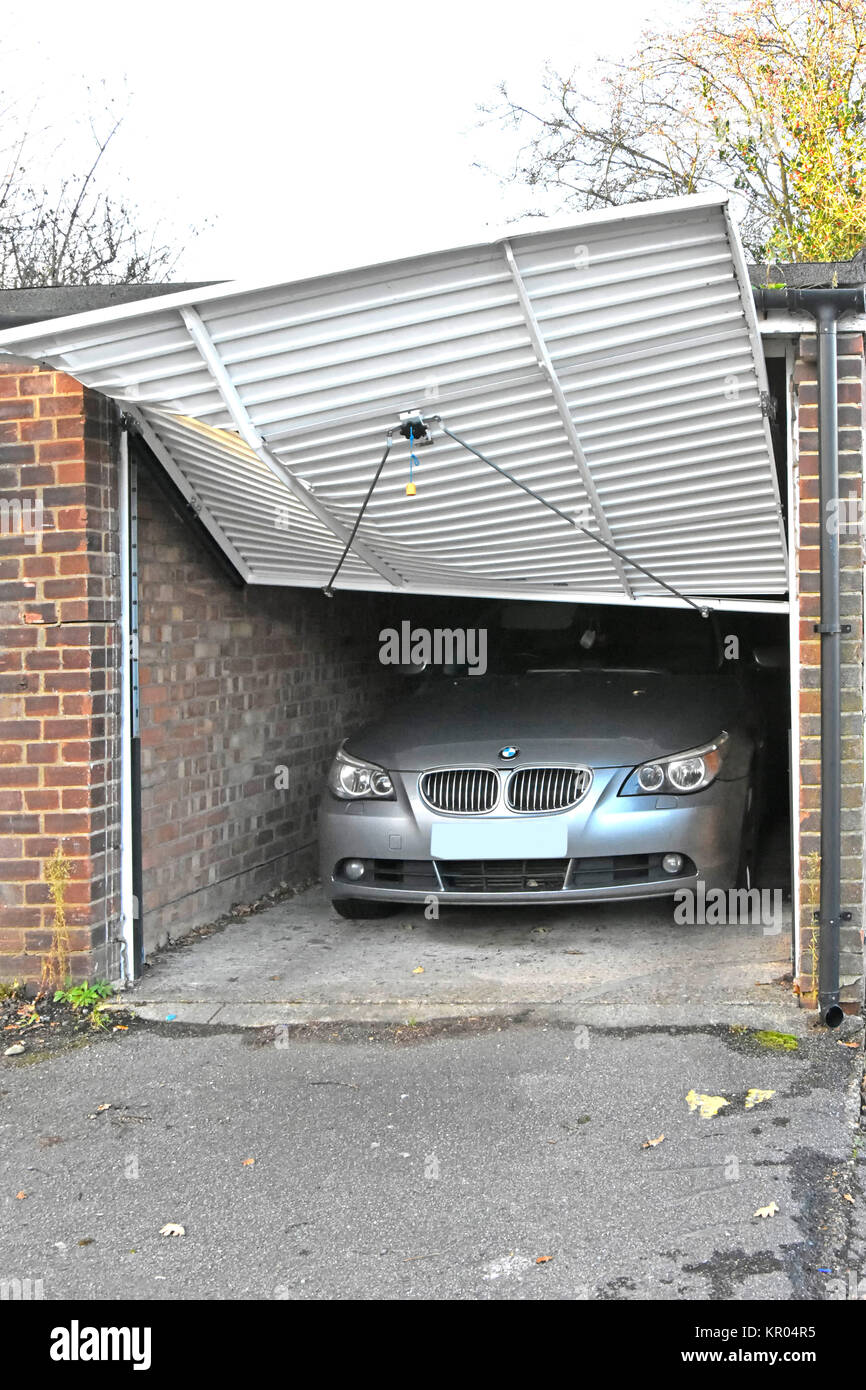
(683, 772)
(352, 778)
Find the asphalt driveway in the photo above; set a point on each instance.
(521, 1120)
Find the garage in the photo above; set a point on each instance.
(273, 476)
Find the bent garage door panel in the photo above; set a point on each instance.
(611, 365)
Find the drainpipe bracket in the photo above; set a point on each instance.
(827, 629)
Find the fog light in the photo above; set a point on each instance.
(353, 868)
(672, 863)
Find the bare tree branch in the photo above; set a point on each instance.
(71, 229)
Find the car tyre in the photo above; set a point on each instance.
(362, 909)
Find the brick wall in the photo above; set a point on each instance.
(236, 684)
(58, 669)
(851, 404)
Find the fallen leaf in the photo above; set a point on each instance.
(543, 1259)
(171, 1229)
(120, 1028)
(106, 1105)
(652, 1143)
(20, 1196)
(14, 1051)
(419, 970)
(847, 1196)
(709, 1106)
(756, 1097)
(248, 1162)
(766, 1211)
(853, 1043)
(88, 1240)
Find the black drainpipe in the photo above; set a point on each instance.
(826, 306)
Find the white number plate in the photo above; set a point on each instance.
(545, 838)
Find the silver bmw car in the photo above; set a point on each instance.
(603, 755)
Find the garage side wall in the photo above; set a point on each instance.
(851, 550)
(245, 693)
(59, 654)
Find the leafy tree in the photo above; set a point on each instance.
(762, 98)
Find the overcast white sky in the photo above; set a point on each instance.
(305, 136)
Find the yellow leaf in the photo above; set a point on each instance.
(766, 1211)
(248, 1162)
(707, 1105)
(755, 1097)
(651, 1143)
(419, 970)
(847, 1196)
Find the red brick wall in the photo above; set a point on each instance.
(58, 660)
(236, 683)
(851, 401)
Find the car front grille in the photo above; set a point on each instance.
(546, 788)
(468, 791)
(503, 875)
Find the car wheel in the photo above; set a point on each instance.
(362, 909)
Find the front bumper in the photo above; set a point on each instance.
(614, 845)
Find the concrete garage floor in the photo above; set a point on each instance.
(630, 963)
(374, 1159)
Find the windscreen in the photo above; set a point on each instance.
(561, 637)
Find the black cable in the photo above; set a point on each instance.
(328, 589)
(543, 500)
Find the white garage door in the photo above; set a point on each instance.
(611, 366)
